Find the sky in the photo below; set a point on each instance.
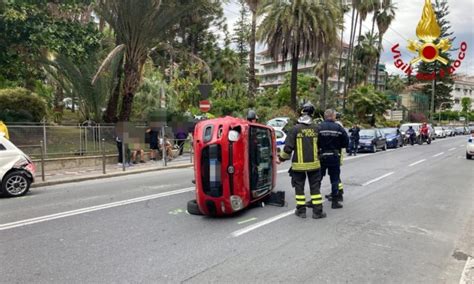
(404, 28)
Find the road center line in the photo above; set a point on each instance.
(255, 226)
(439, 154)
(452, 149)
(416, 163)
(45, 218)
(246, 221)
(377, 179)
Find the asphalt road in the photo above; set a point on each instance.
(408, 217)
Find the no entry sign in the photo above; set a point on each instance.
(205, 105)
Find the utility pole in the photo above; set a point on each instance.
(432, 107)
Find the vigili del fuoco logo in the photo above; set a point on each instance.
(429, 48)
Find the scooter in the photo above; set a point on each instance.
(409, 139)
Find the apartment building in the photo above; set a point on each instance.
(463, 87)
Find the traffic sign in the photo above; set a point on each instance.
(205, 105)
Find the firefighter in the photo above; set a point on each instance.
(252, 116)
(302, 142)
(340, 186)
(332, 138)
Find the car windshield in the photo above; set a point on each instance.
(388, 131)
(367, 134)
(438, 128)
(276, 123)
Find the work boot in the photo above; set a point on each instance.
(301, 211)
(335, 203)
(318, 212)
(340, 197)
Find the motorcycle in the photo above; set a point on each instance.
(409, 139)
(424, 138)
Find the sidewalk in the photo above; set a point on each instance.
(71, 175)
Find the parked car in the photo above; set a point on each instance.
(470, 147)
(393, 136)
(280, 139)
(449, 131)
(17, 171)
(371, 140)
(278, 123)
(440, 132)
(460, 130)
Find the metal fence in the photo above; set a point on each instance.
(75, 140)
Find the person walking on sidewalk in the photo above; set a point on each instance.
(332, 138)
(302, 142)
(153, 140)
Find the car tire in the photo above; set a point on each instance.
(15, 184)
(374, 149)
(193, 207)
(469, 157)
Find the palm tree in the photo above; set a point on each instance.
(299, 29)
(365, 100)
(384, 20)
(140, 25)
(253, 5)
(366, 54)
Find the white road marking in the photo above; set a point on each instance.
(416, 163)
(282, 171)
(439, 154)
(255, 226)
(452, 149)
(377, 179)
(45, 218)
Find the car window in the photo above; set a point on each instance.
(367, 134)
(260, 151)
(279, 134)
(276, 123)
(2, 148)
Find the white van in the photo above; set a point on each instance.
(17, 171)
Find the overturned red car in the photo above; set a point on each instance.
(234, 165)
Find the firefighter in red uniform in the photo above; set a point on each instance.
(302, 141)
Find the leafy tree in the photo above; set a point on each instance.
(139, 26)
(299, 29)
(396, 84)
(366, 54)
(384, 19)
(21, 105)
(32, 29)
(466, 103)
(254, 6)
(365, 100)
(242, 33)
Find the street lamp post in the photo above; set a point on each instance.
(440, 107)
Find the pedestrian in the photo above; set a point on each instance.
(153, 140)
(332, 138)
(4, 130)
(354, 137)
(138, 151)
(181, 136)
(302, 142)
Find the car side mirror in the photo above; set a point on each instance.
(233, 136)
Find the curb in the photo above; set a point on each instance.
(111, 175)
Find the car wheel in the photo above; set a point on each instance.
(469, 157)
(15, 184)
(374, 149)
(384, 147)
(193, 208)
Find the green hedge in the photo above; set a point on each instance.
(21, 105)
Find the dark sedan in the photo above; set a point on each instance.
(371, 140)
(393, 136)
